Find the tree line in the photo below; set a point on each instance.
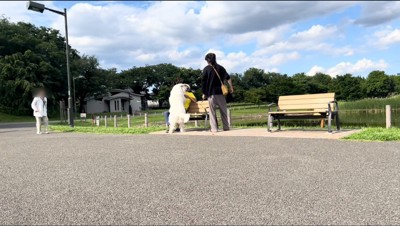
(32, 57)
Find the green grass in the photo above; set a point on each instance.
(108, 130)
(376, 134)
(12, 118)
(370, 103)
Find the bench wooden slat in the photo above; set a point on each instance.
(199, 107)
(302, 106)
(297, 112)
(308, 96)
(307, 101)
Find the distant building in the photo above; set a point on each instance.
(117, 100)
(153, 104)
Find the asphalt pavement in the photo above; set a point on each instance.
(70, 178)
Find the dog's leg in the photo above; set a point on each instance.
(182, 126)
(172, 123)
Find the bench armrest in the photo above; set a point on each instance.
(336, 106)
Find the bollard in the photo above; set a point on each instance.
(228, 112)
(121, 116)
(388, 116)
(196, 123)
(115, 121)
(105, 121)
(146, 120)
(129, 121)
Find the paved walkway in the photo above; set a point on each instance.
(70, 178)
(262, 132)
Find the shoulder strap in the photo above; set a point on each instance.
(217, 74)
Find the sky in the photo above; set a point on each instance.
(333, 37)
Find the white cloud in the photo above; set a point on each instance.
(312, 39)
(122, 35)
(386, 37)
(16, 11)
(263, 38)
(342, 68)
(247, 16)
(378, 12)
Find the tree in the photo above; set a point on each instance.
(347, 87)
(378, 84)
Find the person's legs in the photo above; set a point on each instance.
(221, 101)
(213, 114)
(46, 124)
(166, 116)
(38, 124)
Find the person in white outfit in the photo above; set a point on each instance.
(39, 106)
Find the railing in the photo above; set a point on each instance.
(256, 115)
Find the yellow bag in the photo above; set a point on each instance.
(224, 88)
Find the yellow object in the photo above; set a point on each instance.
(188, 100)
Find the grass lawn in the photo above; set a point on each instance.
(103, 130)
(12, 118)
(376, 134)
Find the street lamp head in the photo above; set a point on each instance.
(80, 76)
(34, 6)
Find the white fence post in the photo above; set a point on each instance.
(229, 117)
(105, 120)
(115, 121)
(146, 120)
(129, 121)
(388, 116)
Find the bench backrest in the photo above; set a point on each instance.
(315, 102)
(199, 107)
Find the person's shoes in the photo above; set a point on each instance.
(38, 133)
(47, 132)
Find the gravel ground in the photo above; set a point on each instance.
(157, 179)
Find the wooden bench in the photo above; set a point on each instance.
(199, 111)
(309, 106)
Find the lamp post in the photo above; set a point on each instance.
(73, 82)
(37, 7)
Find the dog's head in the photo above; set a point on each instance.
(180, 88)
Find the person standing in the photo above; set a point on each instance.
(213, 75)
(39, 106)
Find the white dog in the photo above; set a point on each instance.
(177, 112)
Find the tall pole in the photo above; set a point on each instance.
(73, 82)
(70, 118)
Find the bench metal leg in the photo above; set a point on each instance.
(337, 122)
(279, 125)
(269, 123)
(330, 122)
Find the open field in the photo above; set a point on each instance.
(12, 118)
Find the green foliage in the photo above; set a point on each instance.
(378, 84)
(376, 134)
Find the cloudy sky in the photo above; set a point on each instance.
(287, 37)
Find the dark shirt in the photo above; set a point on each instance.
(211, 85)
